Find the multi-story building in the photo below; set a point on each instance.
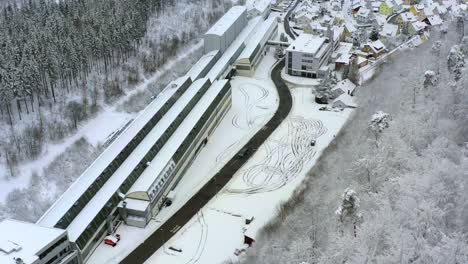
(308, 54)
(27, 243)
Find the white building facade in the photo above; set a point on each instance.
(307, 55)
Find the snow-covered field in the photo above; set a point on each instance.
(269, 178)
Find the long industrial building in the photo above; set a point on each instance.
(133, 178)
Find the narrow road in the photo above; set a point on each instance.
(209, 190)
(287, 28)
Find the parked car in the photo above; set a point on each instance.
(312, 142)
(112, 240)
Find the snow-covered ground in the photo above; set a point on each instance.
(254, 102)
(269, 178)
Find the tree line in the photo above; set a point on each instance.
(47, 45)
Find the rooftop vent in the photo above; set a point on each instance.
(9, 247)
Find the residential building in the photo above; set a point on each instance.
(375, 48)
(416, 27)
(433, 20)
(362, 16)
(389, 30)
(404, 20)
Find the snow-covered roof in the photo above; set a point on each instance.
(231, 53)
(344, 47)
(418, 25)
(434, 20)
(377, 45)
(306, 43)
(95, 205)
(346, 86)
(260, 37)
(202, 64)
(260, 5)
(361, 59)
(441, 9)
(389, 3)
(449, 3)
(226, 21)
(428, 11)
(363, 12)
(25, 240)
(350, 27)
(164, 156)
(389, 30)
(408, 17)
(135, 204)
(52, 216)
(337, 32)
(416, 40)
(346, 99)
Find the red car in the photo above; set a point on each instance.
(112, 240)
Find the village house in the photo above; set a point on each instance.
(433, 20)
(389, 31)
(374, 48)
(417, 27)
(404, 20)
(344, 101)
(362, 16)
(342, 55)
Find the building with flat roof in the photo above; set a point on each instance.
(253, 51)
(226, 29)
(27, 243)
(307, 54)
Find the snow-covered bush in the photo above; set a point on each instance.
(379, 121)
(430, 79)
(456, 61)
(349, 205)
